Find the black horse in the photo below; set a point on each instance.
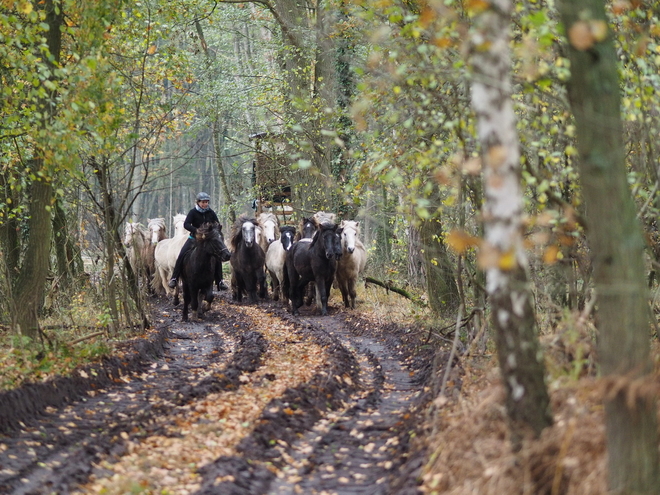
(314, 261)
(199, 268)
(247, 261)
(307, 228)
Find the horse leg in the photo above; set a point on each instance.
(177, 291)
(186, 300)
(194, 301)
(218, 274)
(310, 292)
(343, 287)
(275, 284)
(208, 299)
(251, 287)
(351, 291)
(322, 294)
(261, 281)
(296, 290)
(201, 296)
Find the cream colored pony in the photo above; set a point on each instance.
(165, 255)
(268, 230)
(352, 261)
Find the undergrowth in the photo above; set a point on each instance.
(73, 333)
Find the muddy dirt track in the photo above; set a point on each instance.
(250, 400)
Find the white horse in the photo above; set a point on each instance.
(268, 229)
(351, 263)
(158, 230)
(166, 253)
(275, 257)
(139, 250)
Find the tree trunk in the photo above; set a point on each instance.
(29, 287)
(503, 255)
(9, 227)
(218, 134)
(67, 252)
(28, 291)
(617, 248)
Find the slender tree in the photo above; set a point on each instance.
(503, 255)
(617, 248)
(31, 278)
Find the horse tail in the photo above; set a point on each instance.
(157, 281)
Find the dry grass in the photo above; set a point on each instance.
(470, 451)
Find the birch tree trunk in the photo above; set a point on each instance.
(502, 255)
(617, 248)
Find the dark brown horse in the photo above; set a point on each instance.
(199, 268)
(247, 261)
(314, 261)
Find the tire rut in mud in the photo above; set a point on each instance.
(345, 430)
(353, 437)
(56, 449)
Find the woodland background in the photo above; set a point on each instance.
(121, 111)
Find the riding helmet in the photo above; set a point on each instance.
(203, 197)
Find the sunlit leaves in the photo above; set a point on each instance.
(584, 34)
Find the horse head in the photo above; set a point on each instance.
(130, 231)
(248, 230)
(178, 221)
(157, 228)
(269, 225)
(209, 236)
(244, 231)
(307, 228)
(287, 234)
(349, 235)
(326, 235)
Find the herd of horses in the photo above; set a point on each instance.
(303, 263)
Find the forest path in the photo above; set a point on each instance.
(250, 400)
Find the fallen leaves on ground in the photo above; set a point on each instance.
(213, 426)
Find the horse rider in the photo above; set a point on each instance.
(199, 215)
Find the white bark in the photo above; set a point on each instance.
(503, 253)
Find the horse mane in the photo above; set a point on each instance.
(205, 228)
(135, 228)
(324, 217)
(267, 215)
(156, 221)
(350, 224)
(288, 228)
(236, 230)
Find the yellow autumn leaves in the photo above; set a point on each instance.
(584, 34)
(550, 243)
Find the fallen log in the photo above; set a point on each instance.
(388, 285)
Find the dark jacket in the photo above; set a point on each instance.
(196, 218)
